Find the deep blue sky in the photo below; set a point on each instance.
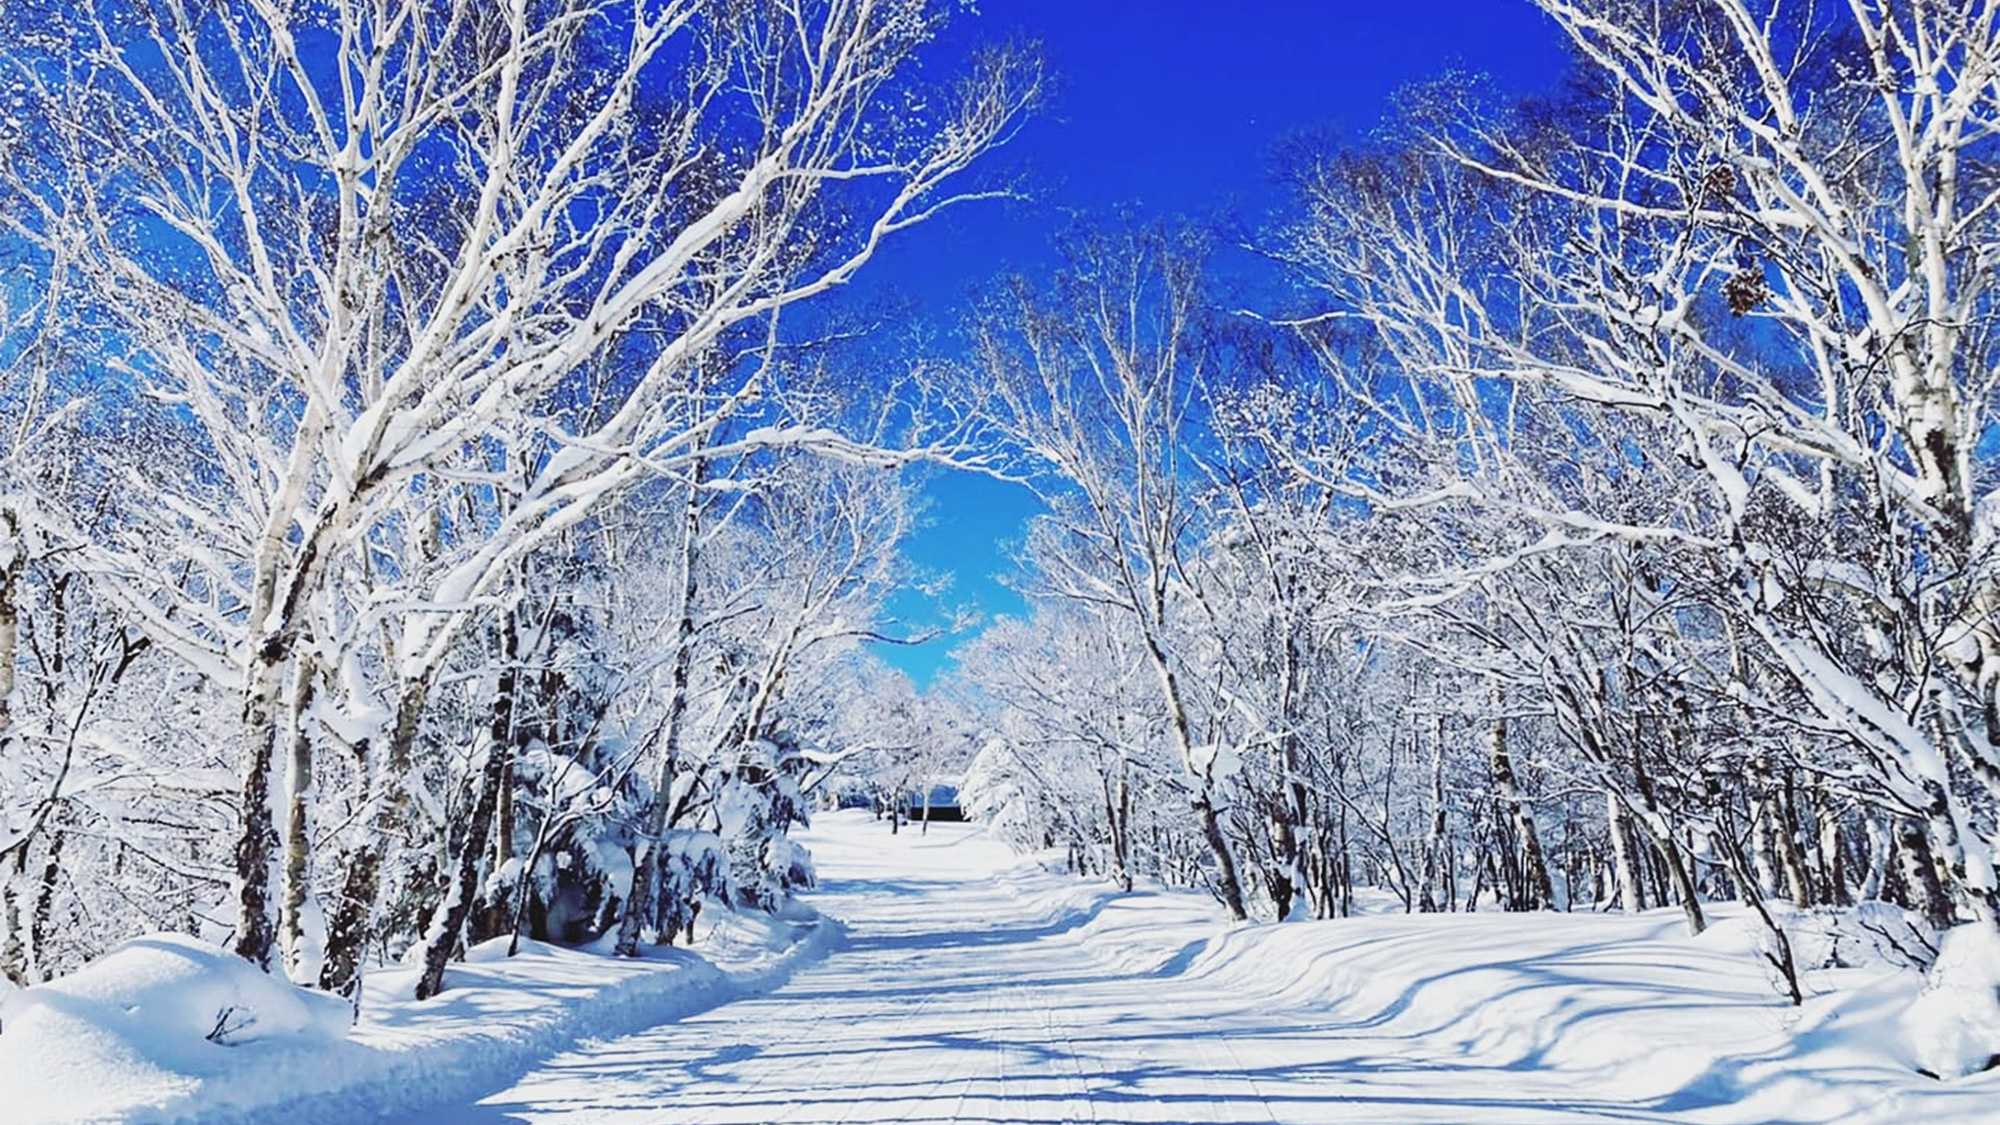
(1167, 108)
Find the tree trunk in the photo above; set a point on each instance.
(1345, 863)
(1967, 871)
(272, 635)
(13, 950)
(1764, 848)
(298, 828)
(1112, 789)
(1624, 853)
(1434, 839)
(500, 899)
(641, 900)
(1920, 875)
(1227, 886)
(1791, 858)
(1833, 858)
(1881, 853)
(13, 564)
(257, 847)
(1288, 808)
(351, 927)
(1539, 894)
(1682, 880)
(1122, 824)
(448, 926)
(43, 919)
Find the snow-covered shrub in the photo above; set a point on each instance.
(790, 862)
(754, 809)
(693, 866)
(998, 794)
(574, 828)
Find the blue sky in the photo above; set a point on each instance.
(1167, 108)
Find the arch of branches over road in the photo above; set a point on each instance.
(436, 508)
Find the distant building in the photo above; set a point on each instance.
(943, 804)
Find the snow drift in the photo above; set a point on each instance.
(168, 1029)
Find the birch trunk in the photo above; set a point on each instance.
(1228, 884)
(1534, 867)
(1288, 812)
(1434, 840)
(352, 925)
(500, 899)
(1833, 859)
(641, 900)
(298, 829)
(257, 847)
(13, 564)
(1922, 883)
(1121, 825)
(13, 952)
(1680, 877)
(449, 926)
(1791, 858)
(1624, 854)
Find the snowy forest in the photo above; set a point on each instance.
(446, 493)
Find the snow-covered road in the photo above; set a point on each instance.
(967, 994)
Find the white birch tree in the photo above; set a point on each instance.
(359, 254)
(1098, 390)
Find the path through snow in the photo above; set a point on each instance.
(969, 990)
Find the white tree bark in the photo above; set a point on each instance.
(362, 289)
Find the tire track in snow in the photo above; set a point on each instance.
(987, 1021)
(1055, 1034)
(763, 1082)
(853, 1105)
(1256, 1088)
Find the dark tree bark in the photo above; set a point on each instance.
(1537, 894)
(641, 901)
(297, 861)
(463, 885)
(352, 925)
(256, 854)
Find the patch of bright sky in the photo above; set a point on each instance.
(1164, 108)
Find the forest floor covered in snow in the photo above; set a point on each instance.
(968, 986)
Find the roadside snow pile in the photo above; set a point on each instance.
(170, 1030)
(1955, 1024)
(147, 1023)
(1629, 1008)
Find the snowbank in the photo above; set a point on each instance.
(146, 1024)
(1954, 1026)
(134, 1037)
(1689, 1027)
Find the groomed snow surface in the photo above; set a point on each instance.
(969, 986)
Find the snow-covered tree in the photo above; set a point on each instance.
(1764, 243)
(367, 263)
(1096, 384)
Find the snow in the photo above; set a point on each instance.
(968, 985)
(975, 988)
(123, 1040)
(146, 1023)
(1955, 1025)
